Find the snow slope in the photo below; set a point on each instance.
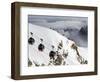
(50, 37)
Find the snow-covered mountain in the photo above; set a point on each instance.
(73, 29)
(67, 54)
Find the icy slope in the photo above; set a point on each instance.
(50, 37)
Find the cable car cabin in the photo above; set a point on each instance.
(41, 47)
(52, 54)
(31, 41)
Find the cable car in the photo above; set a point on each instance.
(41, 46)
(31, 40)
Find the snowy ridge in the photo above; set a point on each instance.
(50, 37)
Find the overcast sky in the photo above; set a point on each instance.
(58, 21)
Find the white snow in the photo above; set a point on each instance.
(51, 37)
